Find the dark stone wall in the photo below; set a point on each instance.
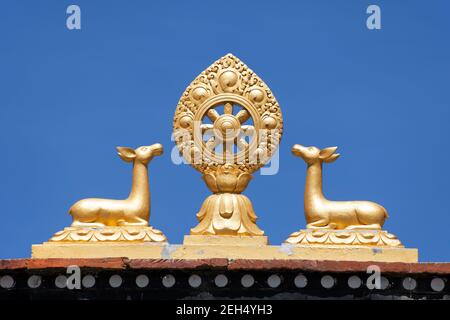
(195, 280)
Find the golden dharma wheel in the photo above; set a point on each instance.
(227, 115)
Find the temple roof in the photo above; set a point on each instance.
(160, 279)
(227, 264)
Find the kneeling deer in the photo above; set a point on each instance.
(135, 210)
(321, 213)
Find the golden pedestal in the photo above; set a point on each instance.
(380, 238)
(132, 250)
(244, 247)
(105, 242)
(108, 234)
(225, 240)
(194, 252)
(228, 247)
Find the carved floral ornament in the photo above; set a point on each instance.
(106, 234)
(378, 238)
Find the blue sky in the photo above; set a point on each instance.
(67, 98)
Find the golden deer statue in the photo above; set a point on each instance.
(321, 213)
(133, 211)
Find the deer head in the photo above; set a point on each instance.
(312, 155)
(142, 154)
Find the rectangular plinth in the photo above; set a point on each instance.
(225, 240)
(353, 253)
(287, 252)
(228, 251)
(97, 250)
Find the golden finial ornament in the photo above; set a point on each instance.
(336, 222)
(117, 220)
(227, 125)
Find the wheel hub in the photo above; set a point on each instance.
(227, 127)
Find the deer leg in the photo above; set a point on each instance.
(134, 222)
(77, 223)
(320, 224)
(364, 227)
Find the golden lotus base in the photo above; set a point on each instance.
(109, 234)
(90, 242)
(194, 249)
(379, 238)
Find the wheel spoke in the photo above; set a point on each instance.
(243, 116)
(227, 147)
(228, 108)
(206, 126)
(212, 115)
(227, 151)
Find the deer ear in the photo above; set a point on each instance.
(331, 158)
(325, 153)
(126, 154)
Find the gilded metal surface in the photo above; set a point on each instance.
(322, 213)
(105, 220)
(227, 247)
(133, 211)
(231, 102)
(344, 237)
(109, 234)
(337, 222)
(227, 125)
